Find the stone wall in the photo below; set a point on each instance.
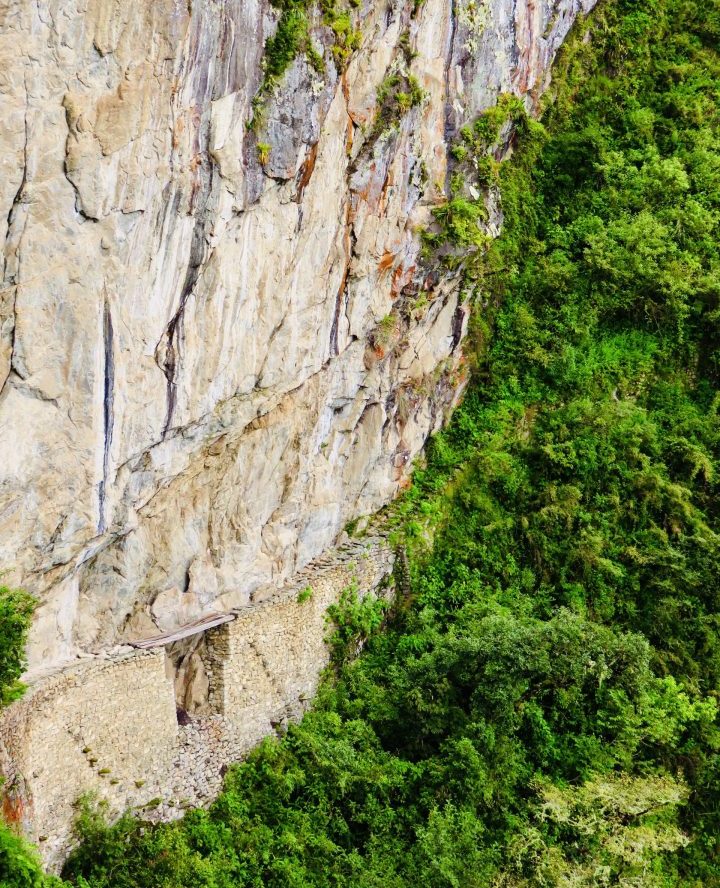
(106, 727)
(109, 726)
(266, 663)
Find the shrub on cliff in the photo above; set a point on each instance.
(19, 863)
(16, 608)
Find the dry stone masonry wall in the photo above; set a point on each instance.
(111, 726)
(106, 726)
(198, 383)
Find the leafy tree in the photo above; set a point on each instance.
(607, 830)
(16, 608)
(19, 864)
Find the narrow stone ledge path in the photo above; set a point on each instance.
(118, 726)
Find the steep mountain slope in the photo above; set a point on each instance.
(541, 708)
(218, 340)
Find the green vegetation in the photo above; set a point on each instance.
(305, 594)
(355, 620)
(289, 39)
(292, 38)
(19, 864)
(346, 37)
(403, 91)
(396, 95)
(541, 708)
(460, 220)
(385, 334)
(16, 608)
(459, 234)
(263, 152)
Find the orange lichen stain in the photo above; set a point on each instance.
(401, 278)
(306, 171)
(13, 808)
(386, 261)
(178, 131)
(364, 193)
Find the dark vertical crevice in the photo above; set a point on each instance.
(11, 217)
(173, 332)
(449, 120)
(515, 56)
(18, 193)
(167, 353)
(339, 300)
(108, 394)
(457, 326)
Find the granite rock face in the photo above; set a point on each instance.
(209, 364)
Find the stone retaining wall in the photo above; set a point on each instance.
(265, 665)
(104, 726)
(109, 725)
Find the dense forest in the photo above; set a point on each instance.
(539, 707)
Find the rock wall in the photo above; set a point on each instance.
(119, 727)
(209, 363)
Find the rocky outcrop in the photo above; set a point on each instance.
(212, 356)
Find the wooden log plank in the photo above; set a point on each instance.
(209, 621)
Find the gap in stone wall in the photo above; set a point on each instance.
(155, 730)
(185, 666)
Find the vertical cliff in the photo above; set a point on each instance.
(218, 339)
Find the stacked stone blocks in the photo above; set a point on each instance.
(108, 726)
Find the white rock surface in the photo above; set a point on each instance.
(194, 398)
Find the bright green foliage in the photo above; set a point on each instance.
(263, 151)
(460, 220)
(19, 864)
(305, 594)
(458, 236)
(292, 38)
(289, 39)
(611, 824)
(396, 95)
(476, 140)
(582, 467)
(542, 710)
(16, 609)
(354, 619)
(347, 38)
(419, 763)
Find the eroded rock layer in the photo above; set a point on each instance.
(215, 352)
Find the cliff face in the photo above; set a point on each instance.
(218, 344)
